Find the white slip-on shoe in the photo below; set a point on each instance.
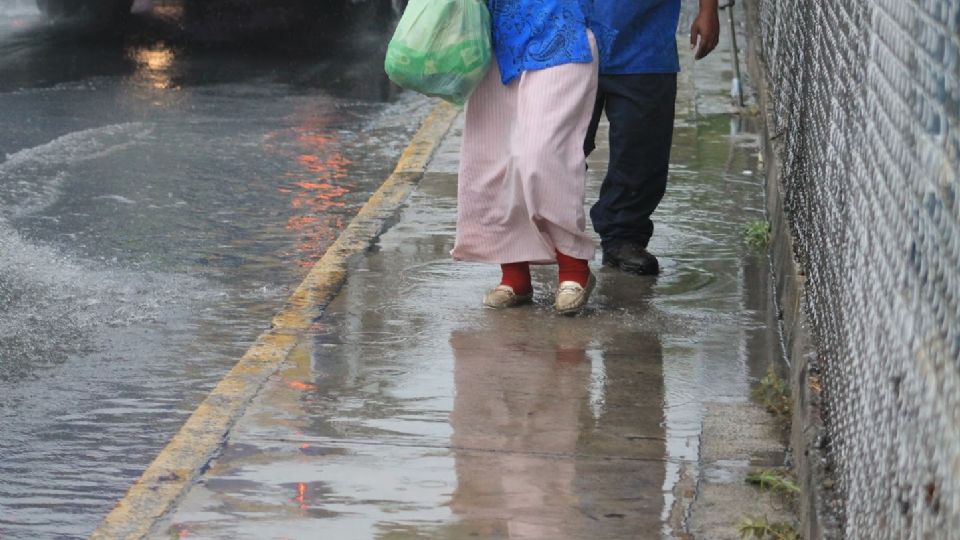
(571, 296)
(502, 296)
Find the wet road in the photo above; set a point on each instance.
(161, 189)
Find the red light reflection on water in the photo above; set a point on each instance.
(301, 497)
(315, 191)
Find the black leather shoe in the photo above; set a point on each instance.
(631, 258)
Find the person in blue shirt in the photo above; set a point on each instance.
(522, 177)
(638, 89)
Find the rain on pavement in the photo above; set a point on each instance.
(161, 190)
(415, 414)
(162, 187)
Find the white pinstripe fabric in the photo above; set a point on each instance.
(522, 168)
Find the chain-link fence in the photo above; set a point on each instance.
(866, 98)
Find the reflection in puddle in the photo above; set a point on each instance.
(533, 439)
(154, 66)
(315, 190)
(301, 497)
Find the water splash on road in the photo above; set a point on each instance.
(138, 260)
(31, 179)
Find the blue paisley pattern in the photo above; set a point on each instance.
(647, 38)
(538, 34)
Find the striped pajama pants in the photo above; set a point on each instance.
(522, 168)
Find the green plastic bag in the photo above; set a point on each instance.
(441, 48)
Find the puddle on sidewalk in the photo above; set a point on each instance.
(414, 413)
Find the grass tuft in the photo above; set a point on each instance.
(762, 529)
(774, 480)
(758, 234)
(773, 393)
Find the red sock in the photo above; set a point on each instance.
(573, 269)
(517, 276)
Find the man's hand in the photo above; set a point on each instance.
(706, 27)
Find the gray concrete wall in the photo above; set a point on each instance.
(863, 100)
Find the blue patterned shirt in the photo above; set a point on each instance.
(538, 34)
(646, 37)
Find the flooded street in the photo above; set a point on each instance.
(162, 187)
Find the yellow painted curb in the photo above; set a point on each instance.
(182, 461)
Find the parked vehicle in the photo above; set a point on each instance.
(99, 9)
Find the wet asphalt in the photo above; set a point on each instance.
(163, 185)
(412, 412)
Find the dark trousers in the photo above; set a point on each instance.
(640, 109)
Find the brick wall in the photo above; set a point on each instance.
(866, 99)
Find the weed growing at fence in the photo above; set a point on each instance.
(774, 480)
(758, 234)
(762, 529)
(773, 393)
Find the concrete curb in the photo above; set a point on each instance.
(188, 454)
(808, 435)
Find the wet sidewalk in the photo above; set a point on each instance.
(414, 413)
